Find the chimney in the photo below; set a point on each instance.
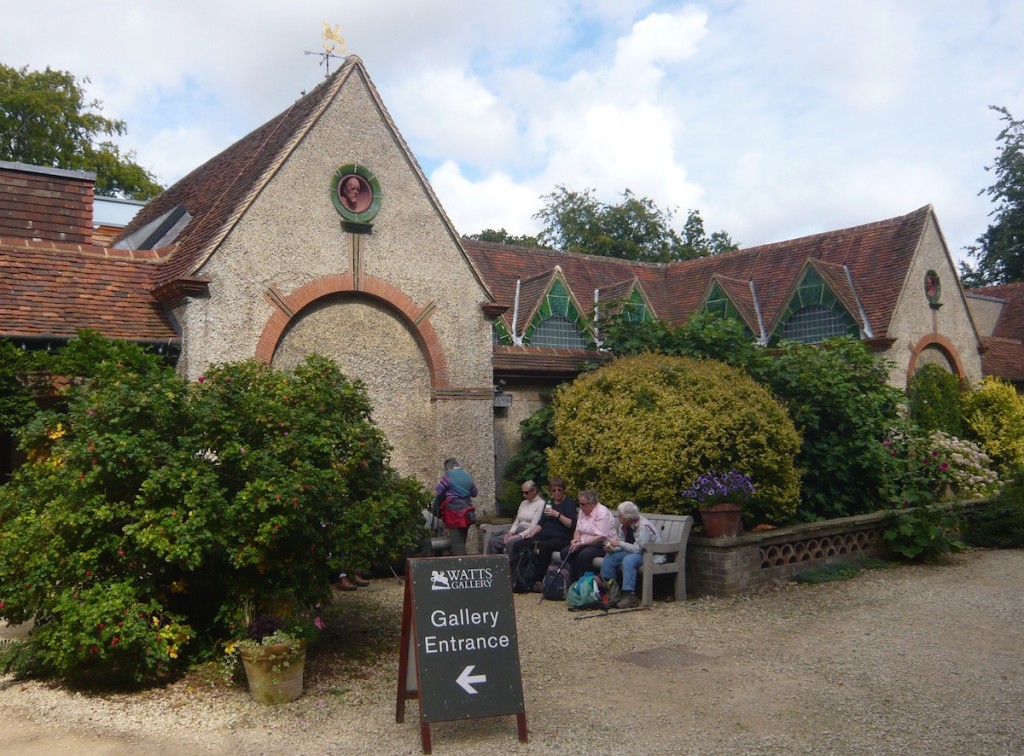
(50, 204)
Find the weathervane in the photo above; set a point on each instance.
(330, 36)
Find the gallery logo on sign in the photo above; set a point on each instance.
(460, 580)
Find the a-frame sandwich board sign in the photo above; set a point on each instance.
(459, 652)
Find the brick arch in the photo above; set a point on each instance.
(937, 339)
(415, 318)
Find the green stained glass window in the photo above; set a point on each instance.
(816, 323)
(814, 314)
(719, 304)
(559, 333)
(499, 334)
(557, 323)
(634, 309)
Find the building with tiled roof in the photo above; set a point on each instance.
(318, 232)
(999, 313)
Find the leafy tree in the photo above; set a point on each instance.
(501, 236)
(634, 229)
(1000, 250)
(151, 509)
(644, 428)
(46, 120)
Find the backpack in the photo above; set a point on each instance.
(523, 571)
(556, 583)
(591, 592)
(458, 513)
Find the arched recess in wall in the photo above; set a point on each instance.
(378, 335)
(414, 317)
(936, 349)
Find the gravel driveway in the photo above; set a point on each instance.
(907, 660)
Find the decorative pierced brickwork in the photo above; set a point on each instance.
(748, 562)
(862, 542)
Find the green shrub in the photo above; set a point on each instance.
(643, 428)
(994, 417)
(165, 506)
(837, 395)
(704, 336)
(1000, 525)
(934, 400)
(16, 404)
(922, 534)
(531, 461)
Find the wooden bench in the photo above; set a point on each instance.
(435, 542)
(674, 532)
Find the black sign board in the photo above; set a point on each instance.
(460, 653)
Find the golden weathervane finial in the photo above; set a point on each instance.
(333, 35)
(330, 37)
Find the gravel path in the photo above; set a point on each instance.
(908, 660)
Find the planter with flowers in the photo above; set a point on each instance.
(720, 498)
(274, 656)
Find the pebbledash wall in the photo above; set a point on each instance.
(388, 305)
(940, 332)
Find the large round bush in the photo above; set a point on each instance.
(645, 427)
(994, 416)
(151, 510)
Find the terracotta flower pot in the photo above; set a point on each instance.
(721, 520)
(274, 672)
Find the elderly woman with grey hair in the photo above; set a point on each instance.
(625, 550)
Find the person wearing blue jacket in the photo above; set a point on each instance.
(452, 504)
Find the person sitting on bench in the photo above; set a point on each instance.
(625, 550)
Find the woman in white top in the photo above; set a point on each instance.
(527, 521)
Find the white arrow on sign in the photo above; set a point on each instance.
(468, 680)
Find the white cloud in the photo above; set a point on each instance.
(477, 127)
(493, 202)
(774, 119)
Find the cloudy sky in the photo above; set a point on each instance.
(774, 118)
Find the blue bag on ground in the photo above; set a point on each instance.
(584, 593)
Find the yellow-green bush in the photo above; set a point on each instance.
(643, 428)
(993, 414)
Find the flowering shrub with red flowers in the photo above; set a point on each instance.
(151, 508)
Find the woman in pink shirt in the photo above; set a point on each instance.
(594, 525)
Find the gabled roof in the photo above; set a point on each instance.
(838, 279)
(741, 296)
(217, 193)
(49, 289)
(531, 294)
(877, 255)
(501, 265)
(1004, 349)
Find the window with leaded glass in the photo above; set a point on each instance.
(815, 323)
(558, 332)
